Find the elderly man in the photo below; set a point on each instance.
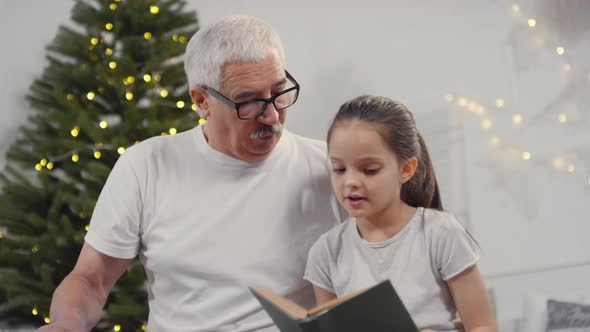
(232, 203)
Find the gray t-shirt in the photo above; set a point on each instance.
(431, 249)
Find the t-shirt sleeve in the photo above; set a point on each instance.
(114, 226)
(456, 250)
(317, 270)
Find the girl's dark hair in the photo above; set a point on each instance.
(396, 125)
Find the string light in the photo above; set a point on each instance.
(164, 93)
(108, 51)
(558, 163)
(117, 328)
(571, 168)
(515, 8)
(175, 37)
(103, 124)
(97, 154)
(112, 65)
(194, 107)
(486, 124)
(87, 228)
(462, 102)
(109, 26)
(47, 320)
(43, 162)
(202, 120)
(143, 327)
(480, 110)
(50, 165)
(517, 119)
(180, 104)
(70, 96)
(526, 155)
(147, 78)
(494, 140)
(182, 39)
(75, 131)
(129, 95)
(35, 248)
(499, 103)
(449, 98)
(154, 9)
(35, 312)
(532, 22)
(560, 50)
(147, 35)
(90, 95)
(129, 80)
(157, 78)
(38, 167)
(121, 150)
(113, 6)
(172, 131)
(562, 118)
(75, 158)
(94, 41)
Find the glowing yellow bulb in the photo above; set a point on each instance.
(194, 107)
(50, 165)
(515, 8)
(526, 155)
(43, 162)
(112, 65)
(486, 124)
(113, 6)
(108, 51)
(182, 39)
(103, 124)
(560, 50)
(494, 140)
(117, 328)
(172, 131)
(154, 9)
(571, 168)
(35, 248)
(47, 320)
(567, 67)
(69, 96)
(87, 228)
(180, 104)
(75, 158)
(38, 167)
(130, 79)
(449, 98)
(532, 22)
(558, 163)
(202, 120)
(143, 327)
(157, 78)
(97, 154)
(75, 131)
(164, 93)
(34, 311)
(129, 95)
(121, 150)
(109, 26)
(175, 37)
(480, 110)
(471, 106)
(499, 103)
(147, 78)
(93, 40)
(517, 119)
(147, 35)
(462, 102)
(90, 95)
(562, 118)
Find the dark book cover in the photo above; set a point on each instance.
(377, 309)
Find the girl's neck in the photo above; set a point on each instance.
(385, 225)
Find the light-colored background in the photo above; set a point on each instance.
(530, 215)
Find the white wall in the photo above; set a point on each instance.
(528, 215)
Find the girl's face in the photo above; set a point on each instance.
(366, 175)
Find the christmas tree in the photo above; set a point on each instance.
(113, 79)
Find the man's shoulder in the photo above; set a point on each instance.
(159, 147)
(307, 144)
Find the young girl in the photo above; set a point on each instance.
(397, 230)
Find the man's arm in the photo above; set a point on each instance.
(77, 302)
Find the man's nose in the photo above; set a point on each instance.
(270, 116)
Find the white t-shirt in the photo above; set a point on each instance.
(431, 249)
(207, 226)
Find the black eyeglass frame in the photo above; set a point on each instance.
(266, 101)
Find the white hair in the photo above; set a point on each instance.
(233, 38)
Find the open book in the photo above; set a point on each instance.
(376, 309)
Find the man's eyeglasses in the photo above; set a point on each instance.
(253, 108)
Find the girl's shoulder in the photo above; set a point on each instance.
(437, 221)
(342, 232)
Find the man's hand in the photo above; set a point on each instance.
(68, 326)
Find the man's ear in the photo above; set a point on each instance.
(199, 97)
(408, 169)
